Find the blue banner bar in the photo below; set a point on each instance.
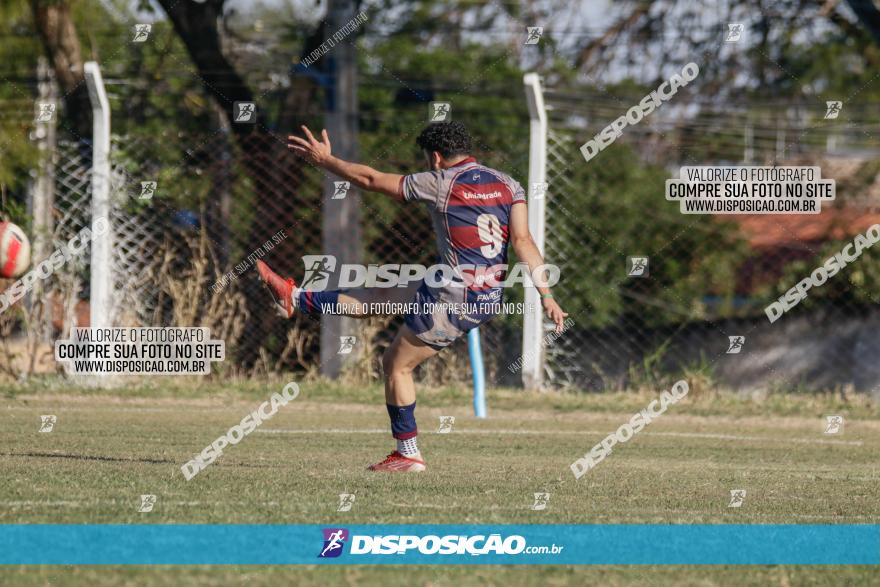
(611, 544)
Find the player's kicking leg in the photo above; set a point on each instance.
(405, 354)
(355, 303)
(400, 359)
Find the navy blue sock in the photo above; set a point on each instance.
(403, 421)
(321, 302)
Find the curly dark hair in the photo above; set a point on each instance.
(447, 138)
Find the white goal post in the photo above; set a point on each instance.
(101, 274)
(533, 322)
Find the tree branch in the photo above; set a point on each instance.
(55, 27)
(197, 26)
(598, 45)
(867, 13)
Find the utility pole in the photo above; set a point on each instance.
(42, 195)
(341, 218)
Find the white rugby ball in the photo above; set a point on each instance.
(15, 250)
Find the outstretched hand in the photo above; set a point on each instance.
(555, 313)
(310, 148)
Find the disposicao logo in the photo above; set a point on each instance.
(431, 544)
(334, 540)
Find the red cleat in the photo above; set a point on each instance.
(280, 288)
(397, 463)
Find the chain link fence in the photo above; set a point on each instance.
(192, 212)
(190, 216)
(697, 305)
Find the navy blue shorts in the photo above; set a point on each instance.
(439, 324)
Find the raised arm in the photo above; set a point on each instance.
(363, 176)
(527, 251)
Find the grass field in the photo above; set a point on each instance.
(107, 450)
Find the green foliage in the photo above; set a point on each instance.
(855, 285)
(613, 205)
(400, 78)
(598, 213)
(18, 56)
(615, 209)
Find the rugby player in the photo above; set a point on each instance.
(476, 212)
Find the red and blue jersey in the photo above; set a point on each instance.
(470, 206)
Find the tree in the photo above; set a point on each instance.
(274, 172)
(55, 26)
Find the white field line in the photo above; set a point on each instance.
(29, 502)
(437, 506)
(602, 433)
(110, 410)
(505, 431)
(646, 513)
